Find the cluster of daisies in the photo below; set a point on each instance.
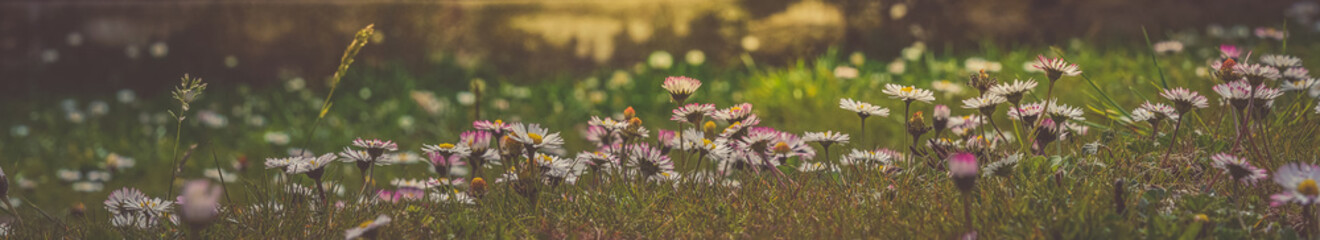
(197, 207)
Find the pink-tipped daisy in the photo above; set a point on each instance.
(693, 113)
(680, 88)
(376, 147)
(1238, 168)
(963, 168)
(1256, 74)
(1185, 100)
(736, 113)
(985, 103)
(1055, 67)
(498, 127)
(1299, 182)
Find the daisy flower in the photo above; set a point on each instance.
(536, 138)
(363, 159)
(908, 93)
(609, 124)
(1236, 93)
(940, 117)
(866, 158)
(498, 127)
(736, 113)
(692, 113)
(862, 109)
(1027, 113)
(119, 200)
(818, 166)
(1003, 167)
(1013, 91)
(559, 170)
(281, 163)
(649, 162)
(1299, 85)
(1060, 112)
(444, 162)
(1238, 168)
(598, 160)
(376, 147)
(313, 167)
(680, 88)
(1280, 61)
(367, 229)
(789, 145)
(1055, 67)
(1184, 100)
(1160, 110)
(962, 167)
(1296, 74)
(985, 103)
(1257, 73)
(1299, 183)
(826, 138)
(475, 141)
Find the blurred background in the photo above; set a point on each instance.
(77, 47)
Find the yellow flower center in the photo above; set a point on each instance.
(499, 122)
(546, 158)
(781, 148)
(707, 142)
(735, 108)
(445, 145)
(907, 89)
(536, 138)
(365, 224)
(665, 173)
(1308, 188)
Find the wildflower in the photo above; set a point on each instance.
(1062, 112)
(1160, 111)
(982, 81)
(1280, 61)
(916, 126)
(1184, 100)
(1236, 93)
(598, 160)
(1027, 113)
(1003, 167)
(1013, 91)
(363, 159)
(862, 109)
(375, 147)
(1056, 67)
(908, 93)
(985, 103)
(692, 113)
(312, 166)
(212, 119)
(735, 113)
(680, 88)
(1238, 168)
(536, 138)
(277, 138)
(1299, 183)
(1296, 74)
(220, 174)
(866, 158)
(1229, 52)
(940, 118)
(68, 175)
(498, 127)
(281, 163)
(367, 229)
(478, 187)
(1256, 74)
(445, 161)
(962, 167)
(200, 204)
(120, 200)
(1268, 33)
(667, 140)
(559, 170)
(826, 138)
(648, 161)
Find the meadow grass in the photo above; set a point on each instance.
(1112, 182)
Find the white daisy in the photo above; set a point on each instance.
(908, 93)
(985, 103)
(1280, 61)
(862, 109)
(1184, 100)
(680, 88)
(1013, 91)
(367, 229)
(1299, 181)
(536, 137)
(1056, 67)
(826, 138)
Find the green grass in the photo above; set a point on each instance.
(1065, 194)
